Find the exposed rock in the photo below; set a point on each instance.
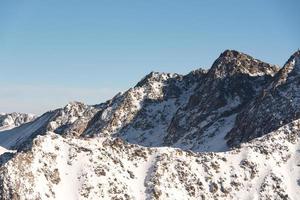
(235, 127)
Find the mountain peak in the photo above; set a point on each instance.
(228, 53)
(155, 77)
(293, 59)
(295, 56)
(232, 62)
(171, 132)
(297, 53)
(290, 70)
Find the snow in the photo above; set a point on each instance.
(4, 150)
(9, 138)
(217, 142)
(247, 172)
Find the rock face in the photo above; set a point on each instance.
(230, 132)
(278, 104)
(234, 80)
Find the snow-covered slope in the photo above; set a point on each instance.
(142, 114)
(68, 120)
(230, 132)
(68, 168)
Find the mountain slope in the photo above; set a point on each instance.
(230, 132)
(142, 114)
(278, 104)
(233, 81)
(57, 167)
(191, 112)
(194, 111)
(73, 117)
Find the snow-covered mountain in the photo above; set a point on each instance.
(11, 120)
(277, 104)
(68, 120)
(230, 132)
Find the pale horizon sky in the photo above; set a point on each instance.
(53, 52)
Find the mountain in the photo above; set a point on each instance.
(234, 80)
(277, 105)
(11, 120)
(230, 132)
(67, 120)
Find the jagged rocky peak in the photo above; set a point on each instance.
(75, 107)
(136, 114)
(278, 104)
(156, 77)
(290, 69)
(293, 61)
(68, 114)
(232, 62)
(72, 118)
(198, 73)
(234, 80)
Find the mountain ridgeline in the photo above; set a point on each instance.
(192, 112)
(240, 104)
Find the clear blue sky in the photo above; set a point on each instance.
(53, 51)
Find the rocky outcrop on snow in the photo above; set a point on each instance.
(230, 132)
(60, 168)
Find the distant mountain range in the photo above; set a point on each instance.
(11, 120)
(230, 132)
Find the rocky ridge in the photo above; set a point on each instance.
(277, 104)
(168, 135)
